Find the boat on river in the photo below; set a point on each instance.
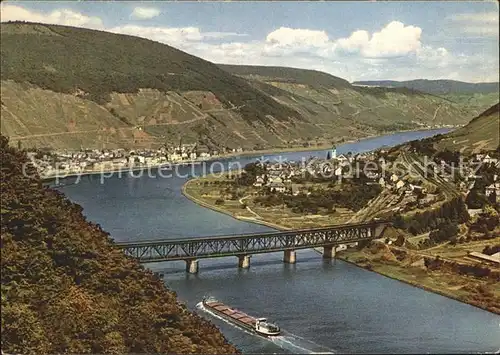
(260, 326)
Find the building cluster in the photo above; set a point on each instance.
(63, 163)
(282, 177)
(472, 178)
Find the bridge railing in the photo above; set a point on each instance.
(195, 248)
(123, 245)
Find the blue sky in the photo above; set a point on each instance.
(354, 40)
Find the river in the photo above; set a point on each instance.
(322, 306)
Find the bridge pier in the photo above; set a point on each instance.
(329, 252)
(192, 266)
(244, 261)
(289, 257)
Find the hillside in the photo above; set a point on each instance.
(65, 289)
(481, 133)
(438, 87)
(65, 87)
(356, 109)
(471, 97)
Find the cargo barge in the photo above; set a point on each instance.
(259, 326)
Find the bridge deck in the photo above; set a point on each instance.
(247, 235)
(247, 244)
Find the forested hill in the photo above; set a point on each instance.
(74, 88)
(65, 289)
(437, 87)
(98, 63)
(313, 78)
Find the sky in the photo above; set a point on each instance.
(369, 40)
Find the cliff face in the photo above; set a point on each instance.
(65, 87)
(65, 289)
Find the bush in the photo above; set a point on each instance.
(219, 201)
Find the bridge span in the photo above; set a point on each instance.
(243, 246)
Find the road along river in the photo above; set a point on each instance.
(322, 306)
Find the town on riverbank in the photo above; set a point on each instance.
(445, 236)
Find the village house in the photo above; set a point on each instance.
(295, 189)
(277, 187)
(258, 182)
(493, 188)
(394, 178)
(416, 188)
(487, 159)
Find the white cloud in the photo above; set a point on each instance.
(161, 34)
(478, 23)
(177, 36)
(285, 36)
(287, 41)
(396, 51)
(59, 17)
(217, 35)
(144, 13)
(394, 40)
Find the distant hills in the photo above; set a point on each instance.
(65, 87)
(481, 133)
(437, 87)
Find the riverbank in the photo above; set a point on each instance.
(233, 214)
(326, 146)
(482, 293)
(224, 156)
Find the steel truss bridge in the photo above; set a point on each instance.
(243, 245)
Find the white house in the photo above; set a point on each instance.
(394, 178)
(276, 179)
(416, 188)
(258, 182)
(487, 159)
(400, 184)
(493, 188)
(342, 158)
(277, 186)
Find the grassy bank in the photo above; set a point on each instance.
(207, 190)
(233, 210)
(479, 292)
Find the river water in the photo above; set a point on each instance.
(321, 306)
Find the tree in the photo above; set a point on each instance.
(475, 199)
(67, 289)
(492, 198)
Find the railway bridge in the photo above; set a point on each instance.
(243, 246)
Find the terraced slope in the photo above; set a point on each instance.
(482, 133)
(437, 87)
(65, 87)
(475, 97)
(369, 109)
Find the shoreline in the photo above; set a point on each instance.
(414, 284)
(344, 258)
(230, 155)
(222, 210)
